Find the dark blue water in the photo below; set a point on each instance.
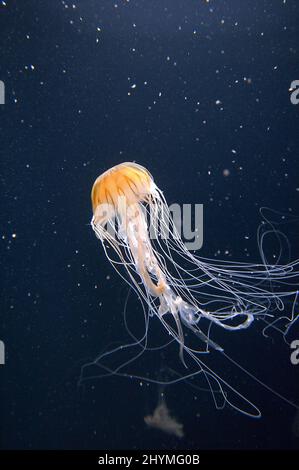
(212, 81)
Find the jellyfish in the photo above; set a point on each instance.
(162, 419)
(189, 294)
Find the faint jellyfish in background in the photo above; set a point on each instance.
(162, 419)
(190, 295)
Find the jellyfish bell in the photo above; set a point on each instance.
(188, 293)
(126, 180)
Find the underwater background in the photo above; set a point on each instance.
(198, 93)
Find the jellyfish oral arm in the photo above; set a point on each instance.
(145, 261)
(248, 319)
